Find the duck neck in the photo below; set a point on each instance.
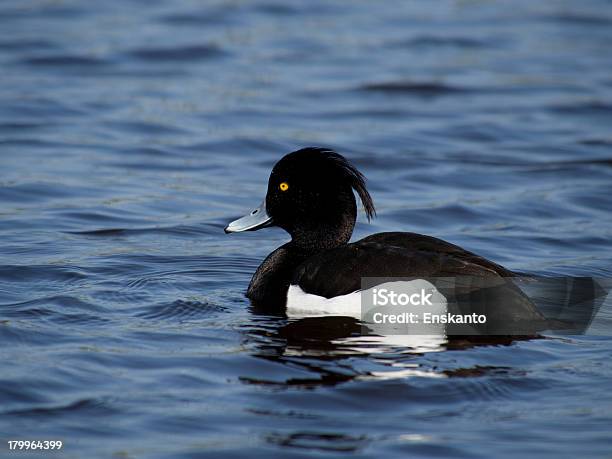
(268, 287)
(309, 239)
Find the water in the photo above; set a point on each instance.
(131, 132)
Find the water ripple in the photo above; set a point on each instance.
(183, 53)
(181, 309)
(60, 61)
(85, 407)
(416, 88)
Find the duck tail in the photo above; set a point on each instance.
(570, 304)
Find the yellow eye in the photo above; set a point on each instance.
(284, 186)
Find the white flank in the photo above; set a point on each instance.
(301, 304)
(425, 338)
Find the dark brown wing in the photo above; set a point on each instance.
(475, 280)
(339, 271)
(414, 241)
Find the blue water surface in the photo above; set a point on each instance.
(132, 131)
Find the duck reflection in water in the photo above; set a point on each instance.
(335, 350)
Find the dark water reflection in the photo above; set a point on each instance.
(131, 132)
